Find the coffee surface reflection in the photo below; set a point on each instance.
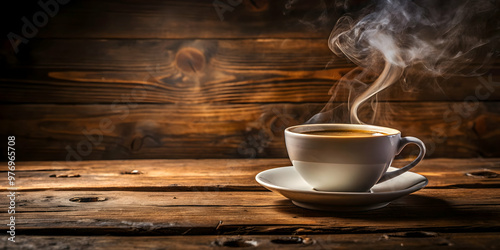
(346, 133)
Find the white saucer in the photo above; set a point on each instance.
(287, 182)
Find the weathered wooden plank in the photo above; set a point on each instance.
(173, 71)
(204, 71)
(73, 132)
(175, 213)
(411, 240)
(216, 174)
(181, 19)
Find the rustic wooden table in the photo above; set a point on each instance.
(203, 204)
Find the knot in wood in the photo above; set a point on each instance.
(136, 144)
(65, 175)
(190, 60)
(480, 126)
(482, 174)
(292, 240)
(415, 234)
(135, 171)
(280, 122)
(236, 242)
(87, 199)
(256, 5)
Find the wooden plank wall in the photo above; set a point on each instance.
(114, 79)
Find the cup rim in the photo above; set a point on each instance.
(324, 126)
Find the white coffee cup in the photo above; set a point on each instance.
(346, 157)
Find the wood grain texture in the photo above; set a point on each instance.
(410, 240)
(205, 71)
(114, 131)
(217, 174)
(177, 19)
(450, 212)
(176, 213)
(173, 80)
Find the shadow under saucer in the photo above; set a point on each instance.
(287, 182)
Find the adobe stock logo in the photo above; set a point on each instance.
(221, 7)
(39, 20)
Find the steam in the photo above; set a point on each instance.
(394, 37)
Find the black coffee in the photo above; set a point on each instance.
(346, 133)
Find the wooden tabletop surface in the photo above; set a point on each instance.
(205, 204)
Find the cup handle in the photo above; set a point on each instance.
(402, 143)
